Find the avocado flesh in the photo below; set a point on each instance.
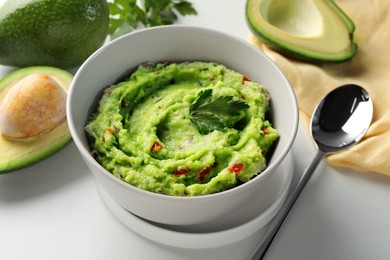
(314, 30)
(17, 154)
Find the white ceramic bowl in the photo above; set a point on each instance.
(180, 43)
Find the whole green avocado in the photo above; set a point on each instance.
(60, 33)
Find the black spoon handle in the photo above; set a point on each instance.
(277, 222)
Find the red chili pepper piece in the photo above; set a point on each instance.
(181, 172)
(245, 79)
(110, 129)
(236, 168)
(156, 147)
(202, 174)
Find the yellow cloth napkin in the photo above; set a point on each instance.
(370, 68)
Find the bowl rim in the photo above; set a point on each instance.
(230, 192)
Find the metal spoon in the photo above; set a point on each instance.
(340, 120)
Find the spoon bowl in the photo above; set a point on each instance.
(339, 121)
(342, 118)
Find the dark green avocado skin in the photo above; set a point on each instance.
(41, 33)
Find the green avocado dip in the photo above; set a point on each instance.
(183, 129)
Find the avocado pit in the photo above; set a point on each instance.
(33, 106)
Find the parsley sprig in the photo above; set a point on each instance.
(128, 15)
(209, 114)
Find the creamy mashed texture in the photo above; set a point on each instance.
(147, 133)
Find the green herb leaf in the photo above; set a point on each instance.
(218, 114)
(128, 15)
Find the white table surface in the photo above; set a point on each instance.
(53, 210)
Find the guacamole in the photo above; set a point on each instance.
(184, 129)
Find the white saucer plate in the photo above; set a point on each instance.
(243, 223)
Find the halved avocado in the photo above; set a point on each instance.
(311, 30)
(18, 154)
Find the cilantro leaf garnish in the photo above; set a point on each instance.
(209, 114)
(128, 15)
